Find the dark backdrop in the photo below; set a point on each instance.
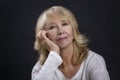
(98, 20)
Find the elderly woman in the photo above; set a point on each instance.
(63, 49)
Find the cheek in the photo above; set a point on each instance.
(70, 32)
(52, 35)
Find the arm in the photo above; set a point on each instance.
(98, 70)
(46, 72)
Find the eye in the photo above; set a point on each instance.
(51, 27)
(64, 24)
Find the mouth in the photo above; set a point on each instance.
(61, 38)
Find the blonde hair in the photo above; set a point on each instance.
(79, 42)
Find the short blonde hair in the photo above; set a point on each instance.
(79, 42)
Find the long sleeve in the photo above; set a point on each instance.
(97, 68)
(46, 71)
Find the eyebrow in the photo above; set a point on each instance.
(50, 23)
(64, 21)
(60, 21)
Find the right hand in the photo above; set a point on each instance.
(46, 42)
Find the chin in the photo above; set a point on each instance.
(62, 46)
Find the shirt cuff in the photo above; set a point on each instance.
(57, 58)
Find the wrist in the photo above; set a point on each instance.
(56, 50)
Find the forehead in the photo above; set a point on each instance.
(56, 18)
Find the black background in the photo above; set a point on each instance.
(97, 19)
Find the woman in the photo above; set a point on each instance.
(63, 50)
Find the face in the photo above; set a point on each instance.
(59, 31)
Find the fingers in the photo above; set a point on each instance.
(43, 39)
(39, 35)
(46, 42)
(42, 35)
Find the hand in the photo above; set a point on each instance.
(47, 43)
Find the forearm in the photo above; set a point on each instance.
(46, 72)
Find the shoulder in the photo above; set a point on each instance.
(94, 56)
(95, 59)
(96, 66)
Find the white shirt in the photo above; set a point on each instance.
(92, 68)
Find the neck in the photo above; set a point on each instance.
(66, 55)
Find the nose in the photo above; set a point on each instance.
(60, 30)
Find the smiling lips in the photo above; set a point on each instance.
(61, 38)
